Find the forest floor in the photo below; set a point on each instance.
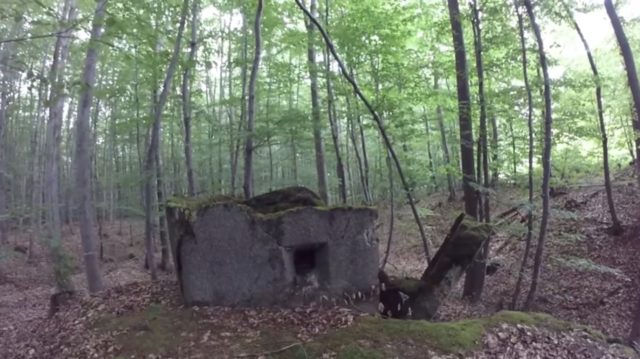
(590, 282)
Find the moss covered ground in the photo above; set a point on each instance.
(159, 330)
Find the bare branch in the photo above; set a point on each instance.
(376, 119)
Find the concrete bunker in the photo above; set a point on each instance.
(281, 248)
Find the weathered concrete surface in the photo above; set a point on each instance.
(230, 254)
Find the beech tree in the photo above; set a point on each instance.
(616, 226)
(57, 98)
(251, 110)
(546, 156)
(466, 137)
(474, 281)
(315, 105)
(186, 97)
(632, 74)
(152, 148)
(525, 77)
(83, 154)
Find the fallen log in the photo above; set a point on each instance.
(421, 298)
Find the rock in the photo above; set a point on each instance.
(277, 248)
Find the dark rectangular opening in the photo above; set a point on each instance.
(304, 260)
(311, 261)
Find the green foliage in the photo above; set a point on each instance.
(63, 266)
(571, 237)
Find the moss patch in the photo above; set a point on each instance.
(154, 330)
(373, 337)
(163, 331)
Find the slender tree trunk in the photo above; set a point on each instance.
(525, 76)
(5, 90)
(365, 158)
(616, 226)
(333, 119)
(186, 97)
(67, 168)
(474, 280)
(53, 139)
(445, 147)
(546, 158)
(514, 153)
(231, 116)
(432, 167)
(354, 141)
(628, 137)
(495, 154)
(379, 124)
(83, 155)
(335, 133)
(632, 74)
(221, 97)
(634, 86)
(165, 261)
(294, 157)
(243, 102)
(391, 212)
(315, 106)
(152, 150)
(464, 109)
(251, 109)
(34, 162)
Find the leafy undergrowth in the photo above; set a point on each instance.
(589, 276)
(144, 320)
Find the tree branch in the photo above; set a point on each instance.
(41, 36)
(376, 119)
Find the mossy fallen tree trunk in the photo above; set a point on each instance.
(421, 298)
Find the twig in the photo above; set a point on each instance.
(41, 36)
(263, 354)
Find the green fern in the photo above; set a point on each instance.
(587, 265)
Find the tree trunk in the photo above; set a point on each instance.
(186, 97)
(165, 261)
(464, 111)
(445, 147)
(632, 74)
(235, 145)
(333, 120)
(391, 213)
(53, 139)
(525, 75)
(379, 124)
(315, 107)
(546, 158)
(83, 155)
(354, 141)
(495, 154)
(251, 109)
(5, 90)
(432, 167)
(616, 226)
(475, 276)
(152, 150)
